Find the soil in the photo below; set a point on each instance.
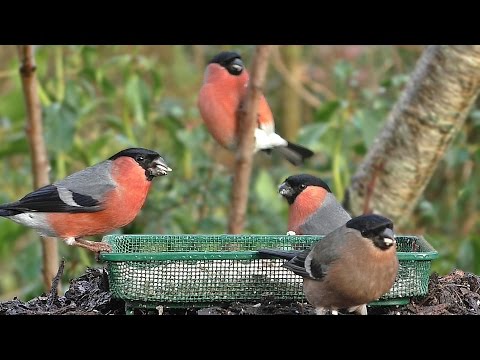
(457, 293)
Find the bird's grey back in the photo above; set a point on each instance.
(93, 181)
(330, 247)
(319, 257)
(327, 218)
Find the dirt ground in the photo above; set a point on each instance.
(457, 293)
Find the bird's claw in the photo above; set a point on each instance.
(104, 247)
(291, 233)
(101, 246)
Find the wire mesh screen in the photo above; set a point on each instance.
(190, 270)
(222, 243)
(205, 281)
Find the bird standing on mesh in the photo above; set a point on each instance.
(351, 266)
(313, 209)
(96, 200)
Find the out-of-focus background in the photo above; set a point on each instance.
(97, 100)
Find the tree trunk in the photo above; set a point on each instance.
(291, 102)
(247, 124)
(428, 115)
(40, 166)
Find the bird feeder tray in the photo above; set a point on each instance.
(202, 270)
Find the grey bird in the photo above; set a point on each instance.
(95, 200)
(351, 266)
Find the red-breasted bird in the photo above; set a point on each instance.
(351, 266)
(222, 96)
(313, 209)
(96, 200)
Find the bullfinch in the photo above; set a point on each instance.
(96, 200)
(313, 209)
(222, 96)
(351, 266)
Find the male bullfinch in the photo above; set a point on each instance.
(222, 96)
(313, 209)
(351, 266)
(96, 200)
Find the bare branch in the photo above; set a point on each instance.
(307, 96)
(40, 165)
(247, 123)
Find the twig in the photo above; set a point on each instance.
(38, 152)
(371, 187)
(247, 123)
(52, 296)
(320, 88)
(308, 97)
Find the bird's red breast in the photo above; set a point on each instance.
(220, 98)
(305, 204)
(121, 205)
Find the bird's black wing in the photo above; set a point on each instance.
(48, 199)
(297, 265)
(314, 262)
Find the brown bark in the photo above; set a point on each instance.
(244, 155)
(40, 165)
(428, 115)
(291, 102)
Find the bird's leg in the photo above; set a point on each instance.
(320, 311)
(94, 246)
(301, 308)
(359, 310)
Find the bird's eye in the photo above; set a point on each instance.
(140, 158)
(303, 186)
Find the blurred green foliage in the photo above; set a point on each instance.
(97, 100)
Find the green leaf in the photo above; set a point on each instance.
(343, 70)
(326, 111)
(14, 144)
(138, 98)
(368, 126)
(59, 127)
(466, 256)
(310, 135)
(12, 105)
(108, 88)
(72, 95)
(113, 121)
(266, 191)
(427, 209)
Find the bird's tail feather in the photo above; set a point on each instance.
(294, 153)
(284, 254)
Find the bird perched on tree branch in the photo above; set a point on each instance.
(221, 99)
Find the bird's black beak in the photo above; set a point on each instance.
(285, 190)
(388, 237)
(158, 167)
(237, 64)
